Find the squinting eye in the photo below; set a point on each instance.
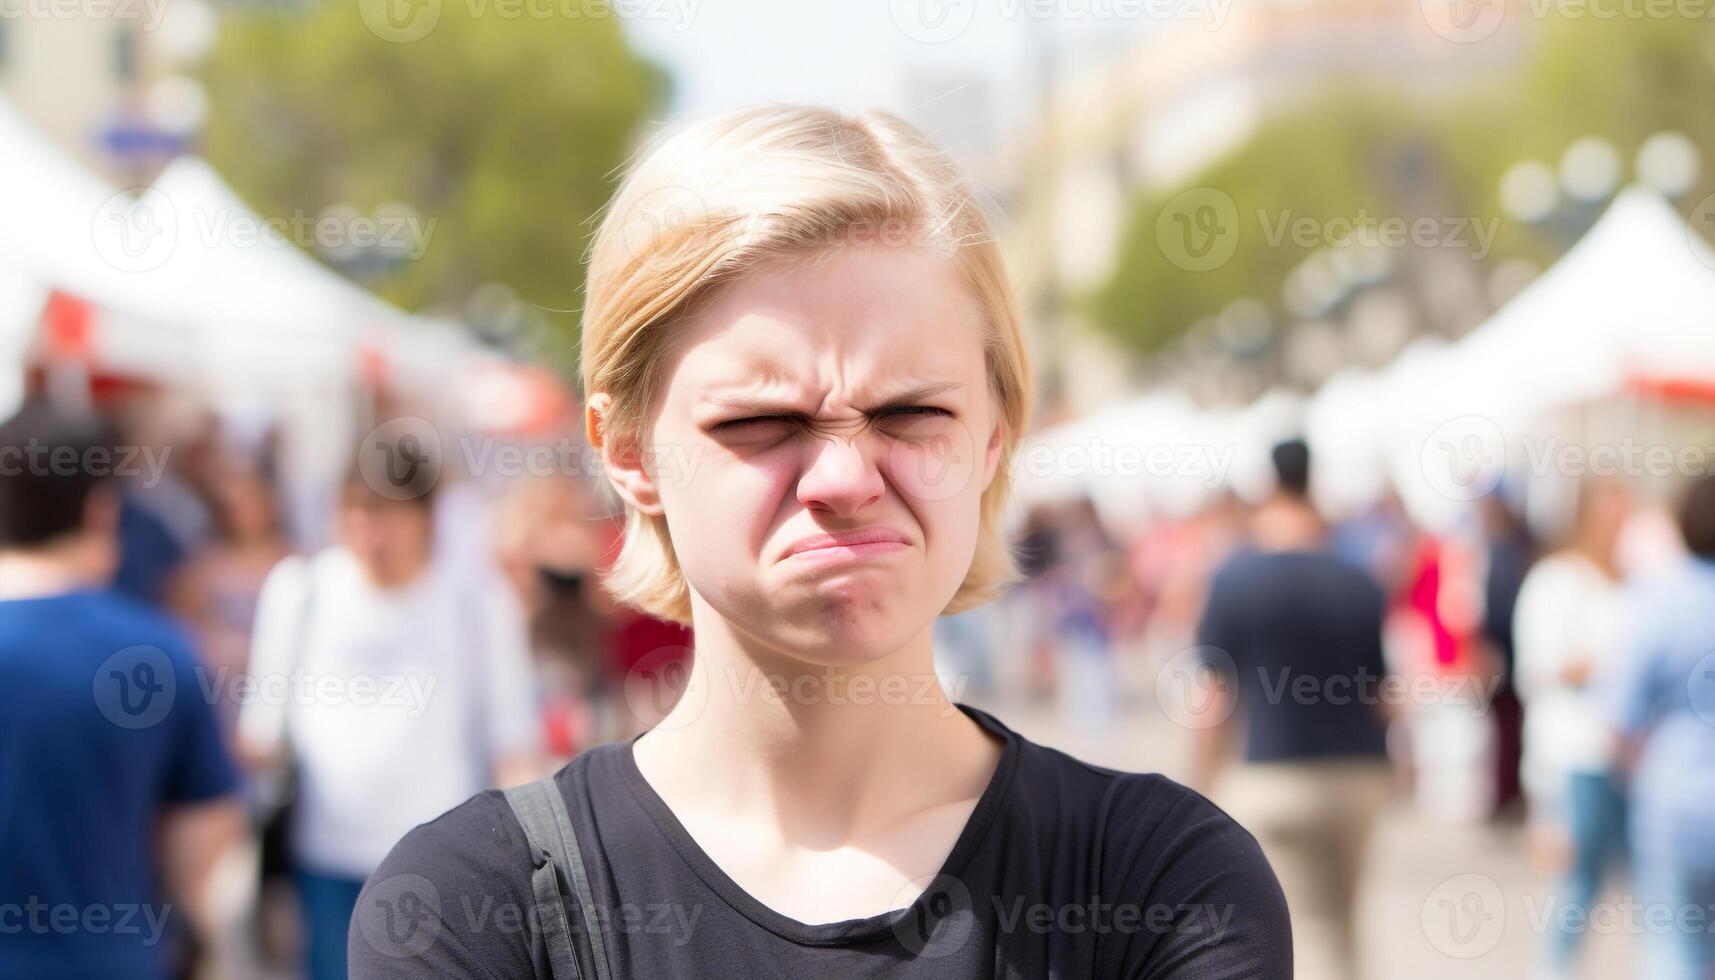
(751, 425)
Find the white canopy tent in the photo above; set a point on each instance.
(1155, 455)
(1635, 297)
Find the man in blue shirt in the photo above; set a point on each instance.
(1293, 635)
(115, 789)
(1661, 693)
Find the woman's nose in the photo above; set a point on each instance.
(841, 476)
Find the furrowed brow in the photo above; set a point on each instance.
(908, 397)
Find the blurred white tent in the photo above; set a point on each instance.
(49, 210)
(1633, 299)
(1635, 296)
(21, 303)
(1157, 455)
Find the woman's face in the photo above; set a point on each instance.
(845, 395)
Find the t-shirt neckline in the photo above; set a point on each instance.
(845, 931)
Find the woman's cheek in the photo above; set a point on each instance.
(933, 459)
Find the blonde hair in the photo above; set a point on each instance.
(719, 198)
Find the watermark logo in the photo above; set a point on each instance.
(1464, 457)
(1464, 21)
(658, 215)
(400, 21)
(1465, 916)
(658, 681)
(135, 230)
(1700, 229)
(1700, 689)
(1193, 687)
(136, 687)
(932, 21)
(940, 920)
(400, 916)
(401, 457)
(1198, 230)
(932, 456)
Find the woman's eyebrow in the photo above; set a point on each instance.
(909, 396)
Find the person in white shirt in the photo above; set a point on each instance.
(397, 684)
(1569, 621)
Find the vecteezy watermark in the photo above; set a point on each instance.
(401, 916)
(1699, 228)
(1463, 458)
(1200, 687)
(1464, 21)
(37, 917)
(1199, 230)
(142, 463)
(1207, 463)
(137, 687)
(1104, 917)
(140, 229)
(1464, 916)
(404, 21)
(1471, 21)
(939, 918)
(940, 21)
(147, 14)
(1195, 687)
(672, 679)
(410, 691)
(1628, 916)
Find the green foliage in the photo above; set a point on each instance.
(505, 131)
(1623, 79)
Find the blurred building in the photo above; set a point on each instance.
(101, 78)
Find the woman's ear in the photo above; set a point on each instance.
(622, 459)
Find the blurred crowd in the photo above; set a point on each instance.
(1503, 671)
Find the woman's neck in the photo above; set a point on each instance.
(832, 751)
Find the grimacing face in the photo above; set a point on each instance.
(850, 393)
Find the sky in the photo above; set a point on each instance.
(856, 54)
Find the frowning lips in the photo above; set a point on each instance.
(846, 539)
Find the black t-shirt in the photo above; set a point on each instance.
(1302, 633)
(1063, 869)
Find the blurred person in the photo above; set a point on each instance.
(1660, 692)
(814, 805)
(164, 513)
(1084, 582)
(550, 547)
(216, 592)
(1568, 623)
(392, 684)
(1378, 540)
(1285, 616)
(1508, 551)
(1176, 560)
(115, 807)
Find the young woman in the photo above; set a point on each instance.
(806, 380)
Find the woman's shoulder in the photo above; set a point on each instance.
(1124, 808)
(453, 896)
(1163, 853)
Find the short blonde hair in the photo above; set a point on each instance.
(710, 202)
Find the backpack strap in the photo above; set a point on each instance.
(554, 855)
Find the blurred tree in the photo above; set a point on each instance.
(1623, 79)
(505, 131)
(1339, 157)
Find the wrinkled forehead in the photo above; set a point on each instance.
(860, 325)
